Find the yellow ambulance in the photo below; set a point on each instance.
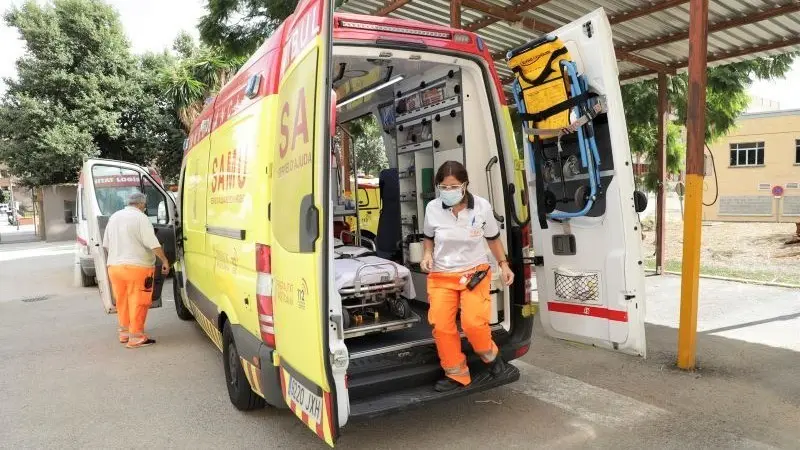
(329, 330)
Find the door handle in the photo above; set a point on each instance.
(489, 184)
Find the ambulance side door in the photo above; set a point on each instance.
(589, 269)
(305, 332)
(107, 185)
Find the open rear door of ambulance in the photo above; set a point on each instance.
(308, 338)
(107, 185)
(586, 231)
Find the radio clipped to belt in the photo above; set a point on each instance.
(554, 101)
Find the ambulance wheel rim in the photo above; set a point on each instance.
(233, 361)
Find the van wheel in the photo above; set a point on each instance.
(86, 280)
(242, 397)
(180, 307)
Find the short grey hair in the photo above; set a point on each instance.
(137, 198)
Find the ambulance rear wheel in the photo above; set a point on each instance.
(239, 391)
(180, 307)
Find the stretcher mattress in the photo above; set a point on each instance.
(346, 269)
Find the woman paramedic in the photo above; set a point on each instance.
(456, 224)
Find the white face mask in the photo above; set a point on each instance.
(453, 197)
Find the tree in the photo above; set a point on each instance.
(190, 81)
(370, 151)
(726, 100)
(79, 93)
(239, 27)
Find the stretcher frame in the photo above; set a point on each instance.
(362, 295)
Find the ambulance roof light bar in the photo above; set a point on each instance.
(369, 91)
(394, 29)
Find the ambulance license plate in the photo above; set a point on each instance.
(308, 402)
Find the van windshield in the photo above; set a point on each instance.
(112, 186)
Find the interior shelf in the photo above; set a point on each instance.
(415, 147)
(427, 110)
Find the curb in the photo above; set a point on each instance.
(735, 280)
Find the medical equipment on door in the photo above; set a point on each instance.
(549, 92)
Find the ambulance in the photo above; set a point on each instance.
(328, 330)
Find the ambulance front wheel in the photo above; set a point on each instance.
(239, 391)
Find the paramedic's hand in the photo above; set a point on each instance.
(164, 268)
(506, 274)
(427, 263)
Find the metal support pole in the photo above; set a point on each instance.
(661, 157)
(455, 14)
(354, 193)
(695, 140)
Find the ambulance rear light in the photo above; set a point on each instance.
(263, 259)
(266, 318)
(352, 24)
(522, 351)
(527, 257)
(462, 38)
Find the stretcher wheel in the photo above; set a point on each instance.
(346, 319)
(550, 201)
(582, 196)
(401, 308)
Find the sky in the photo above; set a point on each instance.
(151, 25)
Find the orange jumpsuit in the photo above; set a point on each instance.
(446, 292)
(134, 295)
(458, 245)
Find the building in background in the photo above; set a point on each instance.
(22, 195)
(757, 170)
(760, 104)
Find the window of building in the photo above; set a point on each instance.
(747, 154)
(792, 185)
(764, 186)
(797, 151)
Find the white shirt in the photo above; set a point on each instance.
(459, 242)
(130, 239)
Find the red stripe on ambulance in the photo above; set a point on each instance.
(590, 311)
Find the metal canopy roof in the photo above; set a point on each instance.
(650, 37)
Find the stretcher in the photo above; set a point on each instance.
(549, 91)
(374, 291)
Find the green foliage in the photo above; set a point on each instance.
(189, 81)
(370, 151)
(239, 27)
(79, 93)
(726, 100)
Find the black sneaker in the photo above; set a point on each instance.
(446, 385)
(497, 367)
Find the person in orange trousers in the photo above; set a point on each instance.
(458, 227)
(132, 248)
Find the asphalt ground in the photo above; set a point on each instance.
(65, 382)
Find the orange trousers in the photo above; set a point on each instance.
(134, 295)
(446, 291)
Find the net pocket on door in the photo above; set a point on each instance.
(582, 287)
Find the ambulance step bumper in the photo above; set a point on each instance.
(397, 401)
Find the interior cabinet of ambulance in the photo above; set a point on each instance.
(426, 123)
